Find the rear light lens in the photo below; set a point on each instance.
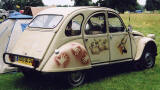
(35, 63)
(12, 58)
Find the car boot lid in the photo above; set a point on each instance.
(33, 44)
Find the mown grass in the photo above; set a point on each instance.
(1, 20)
(114, 77)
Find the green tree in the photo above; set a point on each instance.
(121, 6)
(11, 4)
(152, 5)
(82, 2)
(7, 4)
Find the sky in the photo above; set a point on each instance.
(69, 2)
(58, 2)
(142, 2)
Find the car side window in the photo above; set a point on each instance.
(73, 28)
(96, 24)
(115, 24)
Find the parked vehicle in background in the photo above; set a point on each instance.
(4, 14)
(138, 11)
(72, 40)
(12, 11)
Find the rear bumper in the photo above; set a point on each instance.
(14, 64)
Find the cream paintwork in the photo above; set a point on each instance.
(96, 52)
(151, 36)
(30, 44)
(137, 33)
(47, 41)
(138, 44)
(115, 47)
(134, 46)
(141, 43)
(71, 63)
(60, 37)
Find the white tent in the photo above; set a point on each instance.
(10, 30)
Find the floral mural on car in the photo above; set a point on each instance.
(98, 45)
(62, 60)
(80, 53)
(122, 45)
(76, 51)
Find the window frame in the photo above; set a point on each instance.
(105, 18)
(46, 14)
(80, 25)
(118, 16)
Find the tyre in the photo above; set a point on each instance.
(146, 61)
(30, 74)
(76, 78)
(4, 17)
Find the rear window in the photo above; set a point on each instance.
(46, 21)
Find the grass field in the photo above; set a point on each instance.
(115, 77)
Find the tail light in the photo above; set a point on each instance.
(35, 63)
(12, 58)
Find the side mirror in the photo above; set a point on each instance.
(129, 28)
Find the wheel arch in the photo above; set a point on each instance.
(4, 16)
(143, 44)
(152, 47)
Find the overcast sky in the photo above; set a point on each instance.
(142, 2)
(69, 2)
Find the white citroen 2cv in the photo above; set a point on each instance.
(75, 39)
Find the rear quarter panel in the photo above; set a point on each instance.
(69, 57)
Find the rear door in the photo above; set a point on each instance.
(96, 38)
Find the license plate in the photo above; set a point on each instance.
(24, 60)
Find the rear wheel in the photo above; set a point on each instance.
(28, 73)
(76, 78)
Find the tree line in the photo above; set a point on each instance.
(19, 4)
(119, 5)
(152, 5)
(122, 5)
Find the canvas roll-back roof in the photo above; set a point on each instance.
(67, 10)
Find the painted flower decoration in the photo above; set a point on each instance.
(80, 53)
(62, 60)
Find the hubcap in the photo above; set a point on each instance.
(149, 60)
(3, 17)
(76, 77)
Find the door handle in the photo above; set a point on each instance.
(86, 39)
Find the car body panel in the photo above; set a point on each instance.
(120, 46)
(98, 46)
(3, 13)
(70, 56)
(32, 44)
(141, 43)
